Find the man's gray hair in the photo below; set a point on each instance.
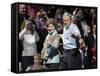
(66, 14)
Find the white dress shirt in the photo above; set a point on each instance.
(69, 42)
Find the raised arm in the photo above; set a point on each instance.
(21, 34)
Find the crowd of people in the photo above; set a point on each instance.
(56, 37)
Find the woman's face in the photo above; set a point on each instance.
(50, 27)
(37, 60)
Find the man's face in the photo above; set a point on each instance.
(22, 9)
(67, 20)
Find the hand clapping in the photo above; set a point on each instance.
(49, 41)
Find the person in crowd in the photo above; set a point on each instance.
(94, 56)
(82, 23)
(58, 14)
(59, 27)
(93, 48)
(89, 40)
(29, 37)
(22, 16)
(93, 16)
(70, 37)
(51, 11)
(77, 22)
(94, 33)
(37, 64)
(32, 11)
(41, 19)
(41, 25)
(83, 50)
(50, 52)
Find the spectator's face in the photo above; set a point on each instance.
(37, 60)
(50, 27)
(82, 44)
(22, 9)
(67, 20)
(92, 11)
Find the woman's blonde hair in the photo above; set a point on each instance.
(52, 21)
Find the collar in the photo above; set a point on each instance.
(67, 26)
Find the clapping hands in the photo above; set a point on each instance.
(49, 41)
